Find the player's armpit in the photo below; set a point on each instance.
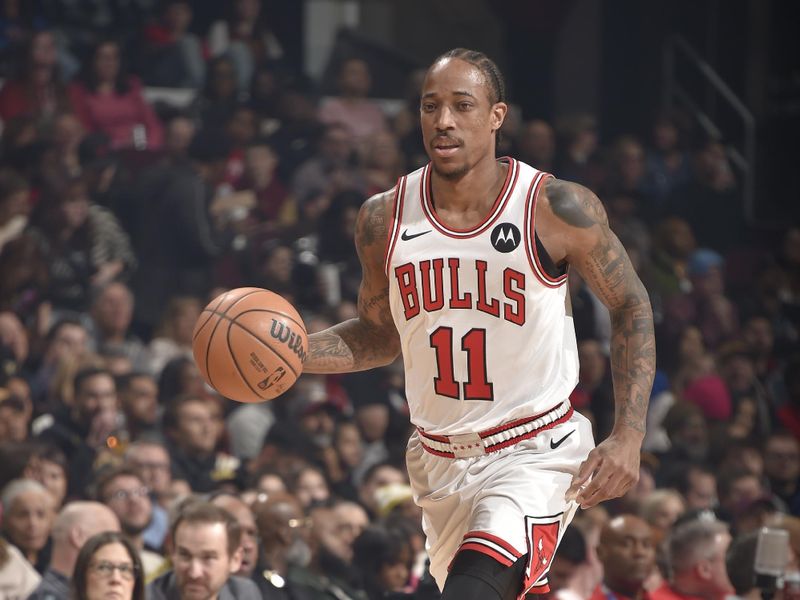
(371, 340)
(576, 218)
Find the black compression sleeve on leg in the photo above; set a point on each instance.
(476, 576)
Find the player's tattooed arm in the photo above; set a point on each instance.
(577, 230)
(591, 247)
(371, 340)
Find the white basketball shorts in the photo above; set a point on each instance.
(506, 504)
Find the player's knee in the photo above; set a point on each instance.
(475, 576)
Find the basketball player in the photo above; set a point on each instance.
(464, 272)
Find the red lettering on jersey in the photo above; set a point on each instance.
(428, 302)
(513, 286)
(457, 301)
(407, 282)
(492, 307)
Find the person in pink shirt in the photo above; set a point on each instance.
(351, 107)
(106, 100)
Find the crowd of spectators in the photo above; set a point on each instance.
(120, 218)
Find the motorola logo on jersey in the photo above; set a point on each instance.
(505, 237)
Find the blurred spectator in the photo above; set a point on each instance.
(25, 281)
(274, 206)
(74, 525)
(351, 108)
(112, 313)
(698, 486)
(241, 129)
(107, 100)
(17, 577)
(740, 563)
(176, 236)
(67, 339)
(173, 337)
(759, 338)
(48, 465)
(706, 305)
(28, 511)
(570, 558)
(383, 162)
(751, 410)
(206, 552)
(285, 550)
(340, 263)
(151, 460)
(594, 391)
(15, 416)
(782, 468)
(246, 38)
(122, 489)
(711, 191)
(788, 409)
(82, 242)
(348, 450)
(180, 376)
(36, 89)
(667, 164)
(384, 557)
(737, 489)
(172, 55)
(667, 273)
(697, 558)
(536, 145)
(108, 566)
(687, 432)
(331, 167)
(661, 509)
(247, 523)
(179, 129)
(216, 102)
(14, 206)
(626, 171)
(331, 569)
(82, 429)
(377, 476)
(62, 160)
(138, 400)
(628, 554)
(309, 487)
(578, 143)
(193, 433)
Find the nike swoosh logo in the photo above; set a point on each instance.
(555, 444)
(405, 236)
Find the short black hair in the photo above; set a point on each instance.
(573, 546)
(491, 72)
(87, 373)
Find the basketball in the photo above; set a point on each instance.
(250, 344)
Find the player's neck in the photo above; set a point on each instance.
(476, 190)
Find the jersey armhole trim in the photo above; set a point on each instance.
(397, 213)
(531, 238)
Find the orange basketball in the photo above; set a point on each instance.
(250, 344)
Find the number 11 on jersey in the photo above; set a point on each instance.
(473, 343)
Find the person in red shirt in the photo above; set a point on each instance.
(697, 556)
(106, 100)
(628, 555)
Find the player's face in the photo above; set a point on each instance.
(458, 118)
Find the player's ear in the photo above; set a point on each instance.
(498, 115)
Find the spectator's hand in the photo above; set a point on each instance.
(103, 425)
(13, 335)
(106, 273)
(612, 467)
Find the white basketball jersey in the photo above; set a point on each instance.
(485, 335)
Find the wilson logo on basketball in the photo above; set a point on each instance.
(284, 334)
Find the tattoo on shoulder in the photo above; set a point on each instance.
(574, 204)
(373, 222)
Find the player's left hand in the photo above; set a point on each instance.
(613, 467)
